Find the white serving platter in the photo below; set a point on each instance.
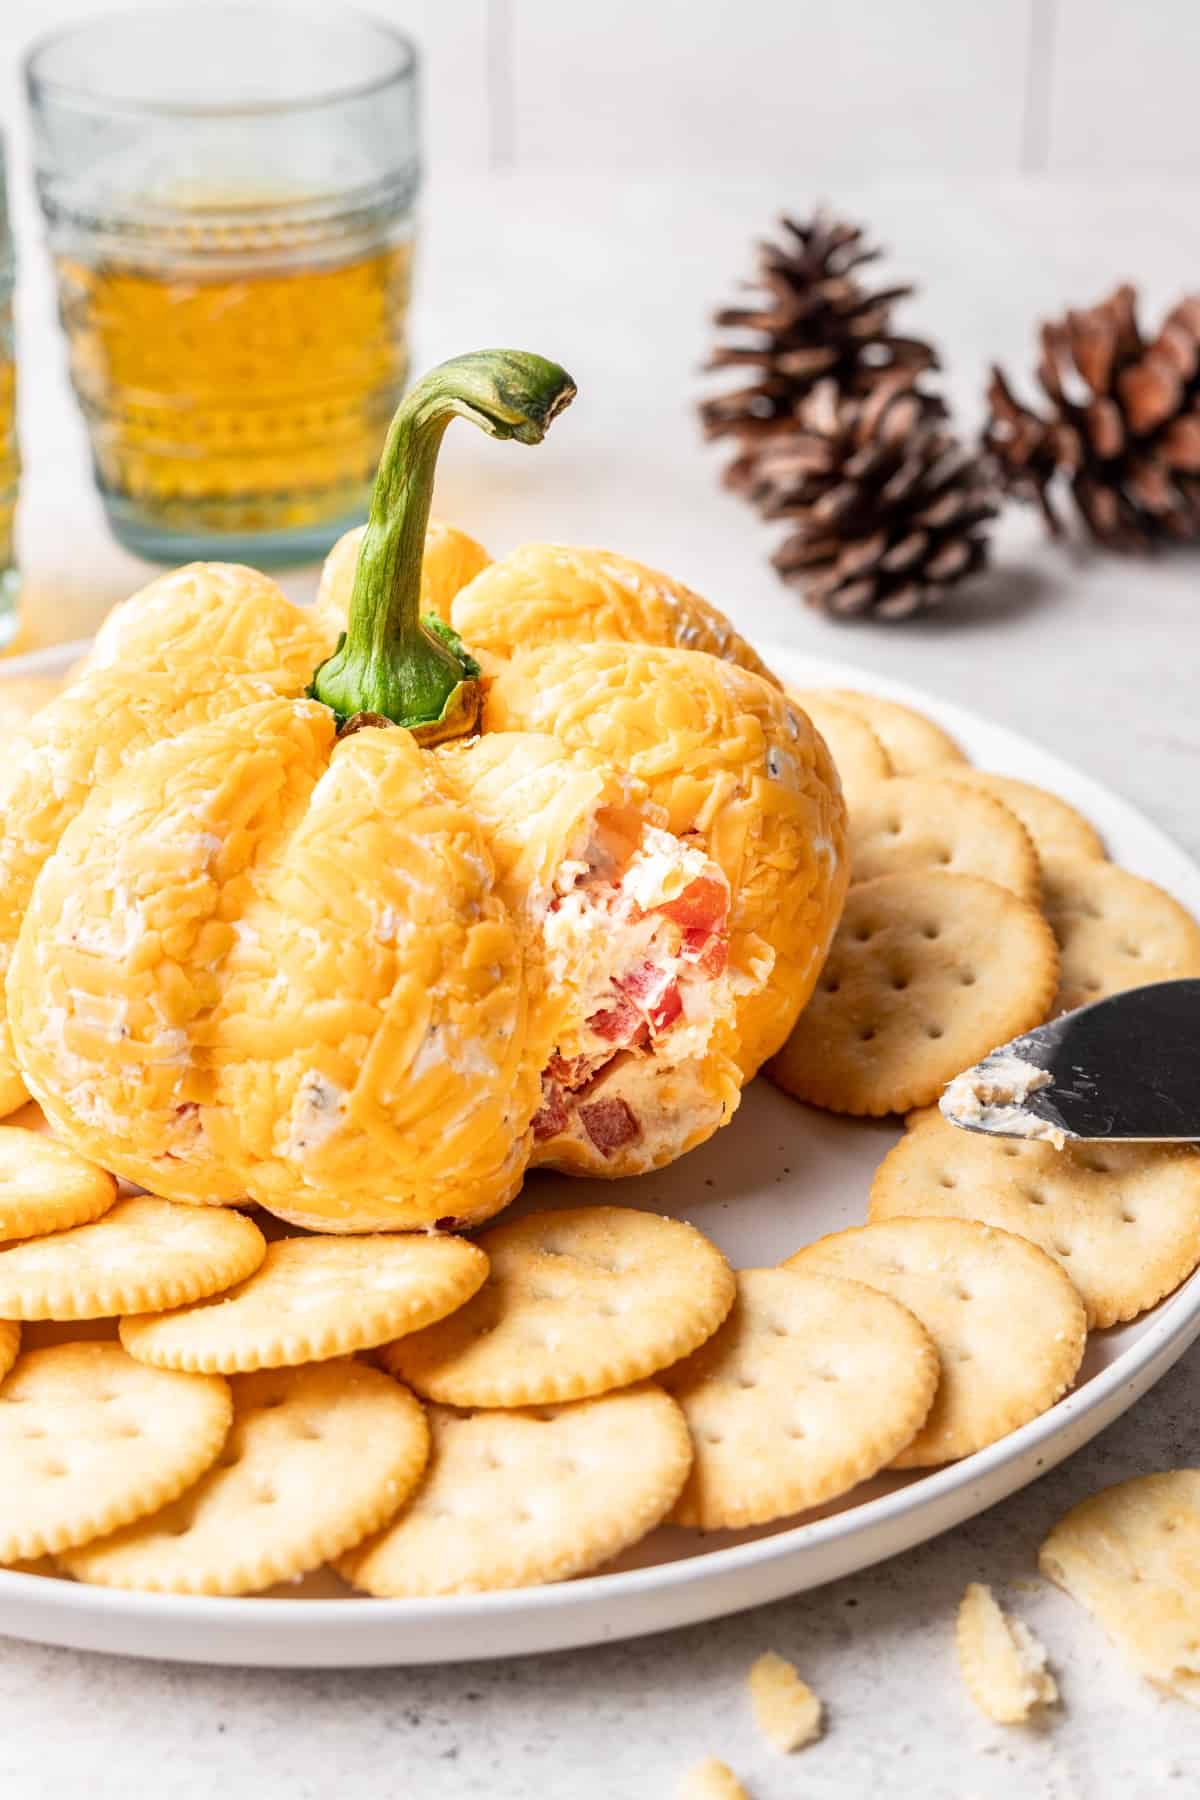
(778, 1176)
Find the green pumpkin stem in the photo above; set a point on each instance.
(389, 662)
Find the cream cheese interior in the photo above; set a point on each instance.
(637, 931)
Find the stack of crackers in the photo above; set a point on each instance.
(188, 1407)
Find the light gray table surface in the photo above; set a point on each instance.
(1091, 655)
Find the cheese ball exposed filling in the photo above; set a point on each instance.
(632, 1017)
(639, 932)
(736, 771)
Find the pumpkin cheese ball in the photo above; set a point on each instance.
(264, 941)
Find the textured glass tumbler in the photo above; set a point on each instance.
(229, 194)
(10, 466)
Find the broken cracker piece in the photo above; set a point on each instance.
(712, 1780)
(786, 1710)
(1003, 1665)
(1131, 1555)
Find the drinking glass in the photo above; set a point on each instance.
(10, 466)
(228, 193)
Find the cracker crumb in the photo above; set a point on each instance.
(786, 1710)
(712, 1780)
(1003, 1666)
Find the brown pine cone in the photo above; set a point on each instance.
(812, 318)
(1123, 426)
(886, 507)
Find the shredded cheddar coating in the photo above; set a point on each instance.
(552, 593)
(261, 965)
(195, 645)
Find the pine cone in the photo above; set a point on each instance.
(1123, 427)
(815, 320)
(886, 505)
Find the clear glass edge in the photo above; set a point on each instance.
(404, 69)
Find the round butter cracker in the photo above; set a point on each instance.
(924, 822)
(140, 1256)
(859, 757)
(90, 1439)
(313, 1298)
(1008, 1325)
(912, 741)
(811, 1385)
(1123, 1220)
(576, 1303)
(520, 1497)
(1055, 827)
(926, 974)
(316, 1458)
(1114, 930)
(45, 1186)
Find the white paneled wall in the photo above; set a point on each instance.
(1125, 87)
(729, 86)
(825, 88)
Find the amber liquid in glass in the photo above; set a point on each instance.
(249, 401)
(10, 471)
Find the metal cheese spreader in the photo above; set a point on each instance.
(1125, 1069)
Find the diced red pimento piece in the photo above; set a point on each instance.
(571, 1071)
(551, 1116)
(708, 950)
(644, 985)
(655, 992)
(669, 1008)
(701, 906)
(620, 1023)
(610, 1124)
